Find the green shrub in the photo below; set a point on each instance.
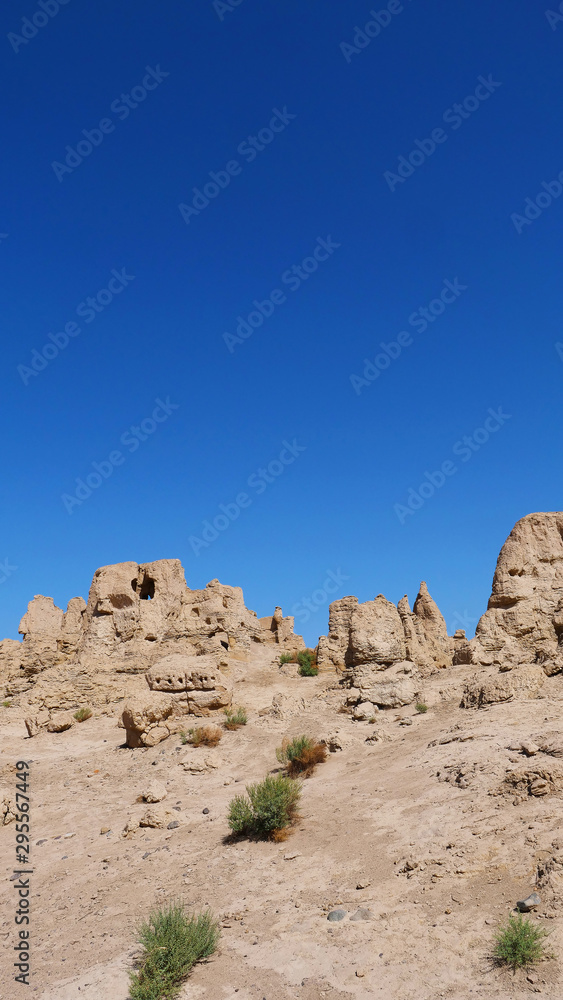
(421, 707)
(301, 755)
(268, 808)
(519, 942)
(172, 943)
(287, 658)
(184, 738)
(307, 664)
(235, 718)
(82, 714)
(6, 704)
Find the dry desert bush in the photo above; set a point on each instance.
(301, 755)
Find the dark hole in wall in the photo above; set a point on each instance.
(145, 589)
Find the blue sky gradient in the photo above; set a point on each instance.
(360, 428)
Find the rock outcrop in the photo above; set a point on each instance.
(380, 632)
(384, 651)
(524, 618)
(135, 615)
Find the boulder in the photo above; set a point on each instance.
(154, 792)
(196, 680)
(60, 722)
(148, 721)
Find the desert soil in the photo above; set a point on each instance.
(411, 820)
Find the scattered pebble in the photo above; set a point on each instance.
(205, 811)
(363, 913)
(336, 915)
(173, 825)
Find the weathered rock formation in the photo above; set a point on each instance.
(379, 632)
(524, 619)
(134, 615)
(385, 650)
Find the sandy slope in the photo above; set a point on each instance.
(371, 807)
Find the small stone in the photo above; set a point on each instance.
(530, 903)
(360, 973)
(336, 915)
(363, 913)
(364, 884)
(105, 829)
(205, 811)
(39, 842)
(173, 825)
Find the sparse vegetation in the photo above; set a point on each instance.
(421, 707)
(372, 721)
(184, 738)
(82, 714)
(287, 658)
(204, 736)
(172, 943)
(307, 663)
(301, 755)
(267, 810)
(235, 718)
(6, 704)
(519, 942)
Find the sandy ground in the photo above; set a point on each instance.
(423, 793)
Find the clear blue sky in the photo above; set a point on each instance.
(344, 107)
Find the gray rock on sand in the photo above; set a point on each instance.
(336, 915)
(530, 903)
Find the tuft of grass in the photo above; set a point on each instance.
(6, 704)
(172, 943)
(235, 718)
(307, 663)
(519, 942)
(204, 736)
(184, 738)
(301, 755)
(82, 714)
(421, 707)
(268, 808)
